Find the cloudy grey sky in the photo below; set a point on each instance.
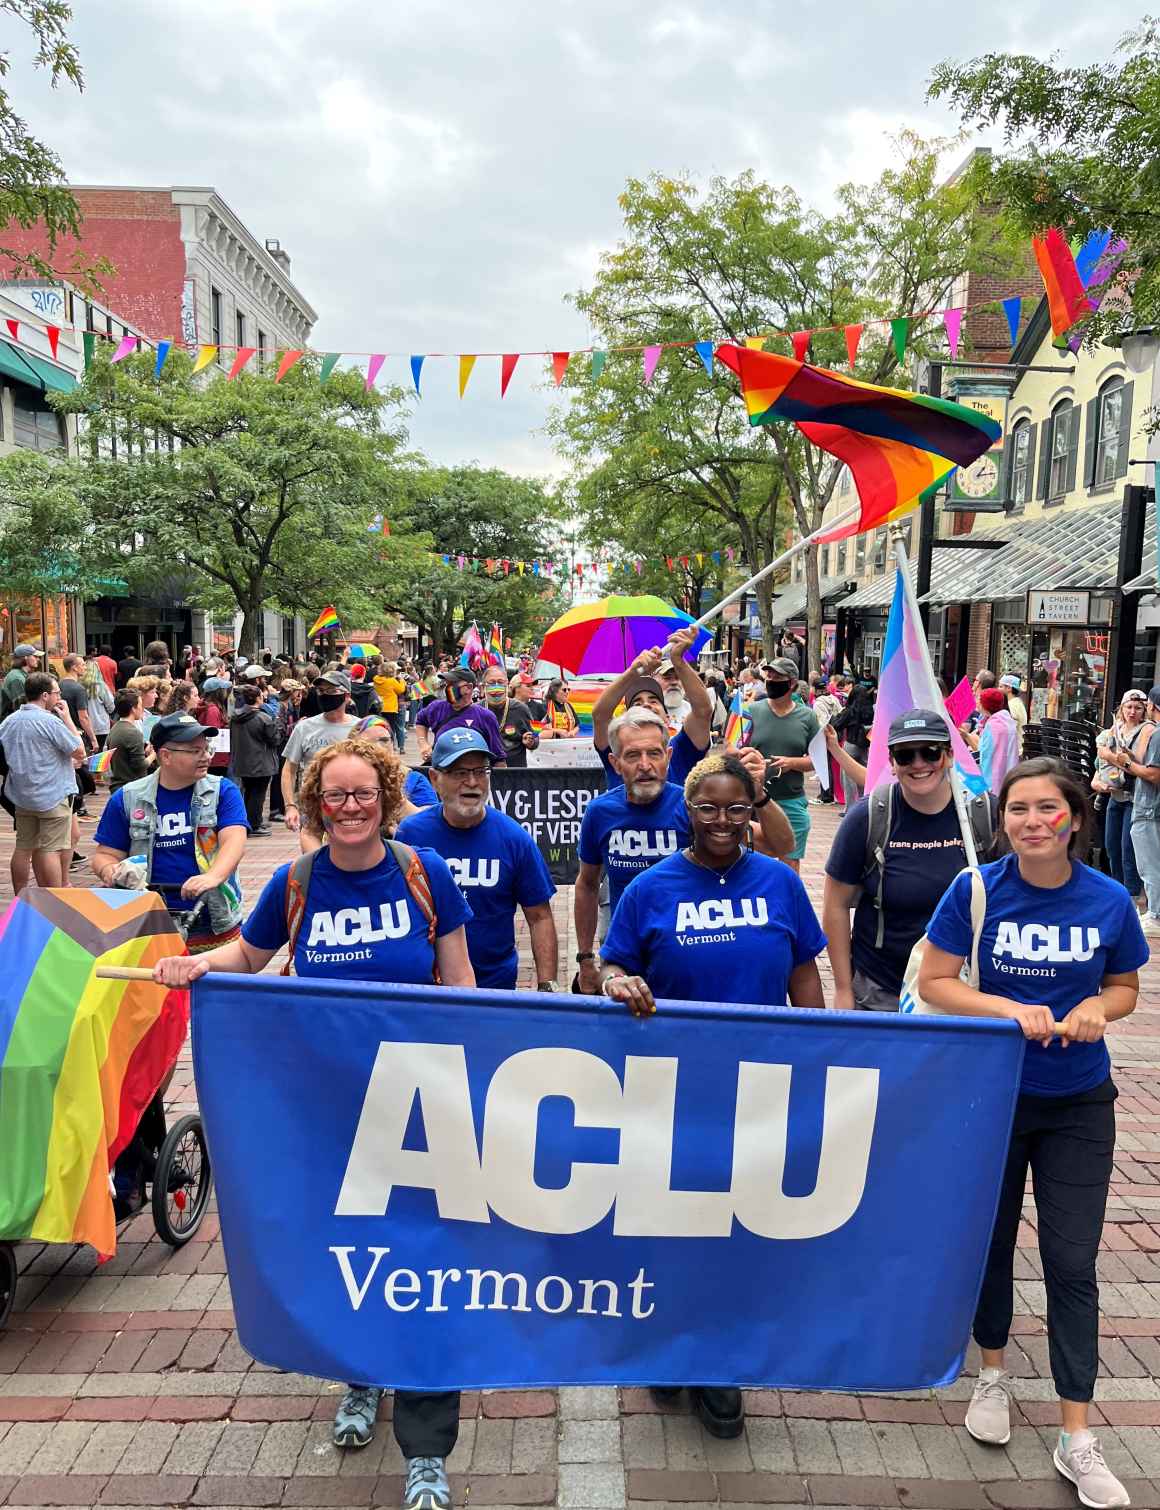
(444, 174)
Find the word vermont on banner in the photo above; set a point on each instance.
(481, 1188)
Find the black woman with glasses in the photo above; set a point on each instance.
(719, 922)
(895, 853)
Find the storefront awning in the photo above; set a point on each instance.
(13, 365)
(880, 593)
(35, 372)
(792, 603)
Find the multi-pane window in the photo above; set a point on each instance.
(1064, 440)
(34, 425)
(1109, 418)
(215, 316)
(1021, 464)
(840, 565)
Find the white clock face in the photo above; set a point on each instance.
(979, 479)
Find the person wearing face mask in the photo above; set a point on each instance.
(313, 734)
(516, 726)
(457, 709)
(782, 729)
(642, 687)
(895, 853)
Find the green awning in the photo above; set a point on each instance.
(13, 365)
(50, 375)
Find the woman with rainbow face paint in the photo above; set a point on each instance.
(1059, 952)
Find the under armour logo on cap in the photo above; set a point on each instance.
(187, 718)
(459, 736)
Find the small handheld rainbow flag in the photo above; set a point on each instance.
(99, 763)
(80, 1058)
(739, 723)
(495, 645)
(324, 623)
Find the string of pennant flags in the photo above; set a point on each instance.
(900, 327)
(494, 566)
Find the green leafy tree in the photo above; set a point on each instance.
(486, 515)
(1082, 149)
(262, 491)
(33, 191)
(741, 258)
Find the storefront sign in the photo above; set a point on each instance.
(549, 805)
(1047, 607)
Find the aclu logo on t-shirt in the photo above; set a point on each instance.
(474, 872)
(357, 925)
(709, 918)
(642, 844)
(173, 829)
(1045, 943)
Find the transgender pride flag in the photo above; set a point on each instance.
(906, 681)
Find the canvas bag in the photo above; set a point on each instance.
(909, 1001)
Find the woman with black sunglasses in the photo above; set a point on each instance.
(895, 853)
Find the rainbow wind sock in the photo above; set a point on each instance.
(99, 763)
(1066, 301)
(1097, 263)
(738, 724)
(897, 445)
(324, 623)
(80, 1058)
(904, 683)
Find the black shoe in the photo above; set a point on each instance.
(665, 1394)
(722, 1411)
(263, 831)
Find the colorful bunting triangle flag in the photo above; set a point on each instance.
(289, 360)
(506, 367)
(125, 347)
(899, 335)
(598, 360)
(241, 357)
(800, 340)
(205, 356)
(53, 334)
(704, 350)
(652, 355)
(1013, 308)
(89, 343)
(466, 363)
(417, 370)
(329, 362)
(163, 349)
(953, 320)
(376, 361)
(560, 365)
(13, 329)
(853, 339)
(755, 343)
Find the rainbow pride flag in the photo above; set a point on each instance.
(80, 1058)
(1067, 304)
(495, 646)
(324, 623)
(738, 724)
(898, 446)
(99, 763)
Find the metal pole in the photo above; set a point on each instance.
(926, 519)
(847, 517)
(936, 700)
(1122, 649)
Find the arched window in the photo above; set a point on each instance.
(1057, 465)
(1022, 463)
(1109, 425)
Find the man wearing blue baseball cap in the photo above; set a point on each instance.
(495, 862)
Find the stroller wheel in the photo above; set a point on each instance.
(8, 1277)
(182, 1182)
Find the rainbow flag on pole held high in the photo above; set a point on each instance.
(324, 623)
(80, 1058)
(897, 445)
(905, 681)
(495, 646)
(738, 724)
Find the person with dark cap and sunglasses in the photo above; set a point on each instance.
(640, 687)
(457, 709)
(895, 853)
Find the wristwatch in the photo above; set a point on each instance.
(585, 954)
(547, 985)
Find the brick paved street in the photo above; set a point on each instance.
(125, 1384)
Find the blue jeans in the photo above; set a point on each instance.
(1146, 841)
(1118, 844)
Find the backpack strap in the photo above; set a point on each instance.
(982, 827)
(297, 886)
(419, 885)
(878, 820)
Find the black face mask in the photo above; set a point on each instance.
(774, 690)
(328, 704)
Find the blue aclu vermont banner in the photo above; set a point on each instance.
(427, 1188)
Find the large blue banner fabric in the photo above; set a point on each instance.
(430, 1189)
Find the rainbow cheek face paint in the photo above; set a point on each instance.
(1061, 823)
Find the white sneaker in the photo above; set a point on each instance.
(989, 1413)
(1083, 1463)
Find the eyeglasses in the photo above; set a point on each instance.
(932, 754)
(462, 772)
(335, 798)
(735, 812)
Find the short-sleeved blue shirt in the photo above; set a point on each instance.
(1046, 947)
(360, 924)
(498, 868)
(418, 789)
(174, 857)
(629, 837)
(693, 938)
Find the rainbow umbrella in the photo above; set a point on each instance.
(609, 635)
(361, 652)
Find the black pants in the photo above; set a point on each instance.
(276, 803)
(1068, 1144)
(426, 1425)
(254, 789)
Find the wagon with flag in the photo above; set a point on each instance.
(84, 1058)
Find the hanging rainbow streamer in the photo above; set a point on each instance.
(80, 1058)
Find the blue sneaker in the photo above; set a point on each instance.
(427, 1486)
(354, 1420)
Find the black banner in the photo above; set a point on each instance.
(550, 805)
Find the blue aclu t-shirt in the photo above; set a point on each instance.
(498, 868)
(696, 939)
(360, 924)
(627, 837)
(174, 857)
(418, 789)
(1047, 946)
(683, 756)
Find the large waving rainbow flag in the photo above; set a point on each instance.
(80, 1058)
(897, 445)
